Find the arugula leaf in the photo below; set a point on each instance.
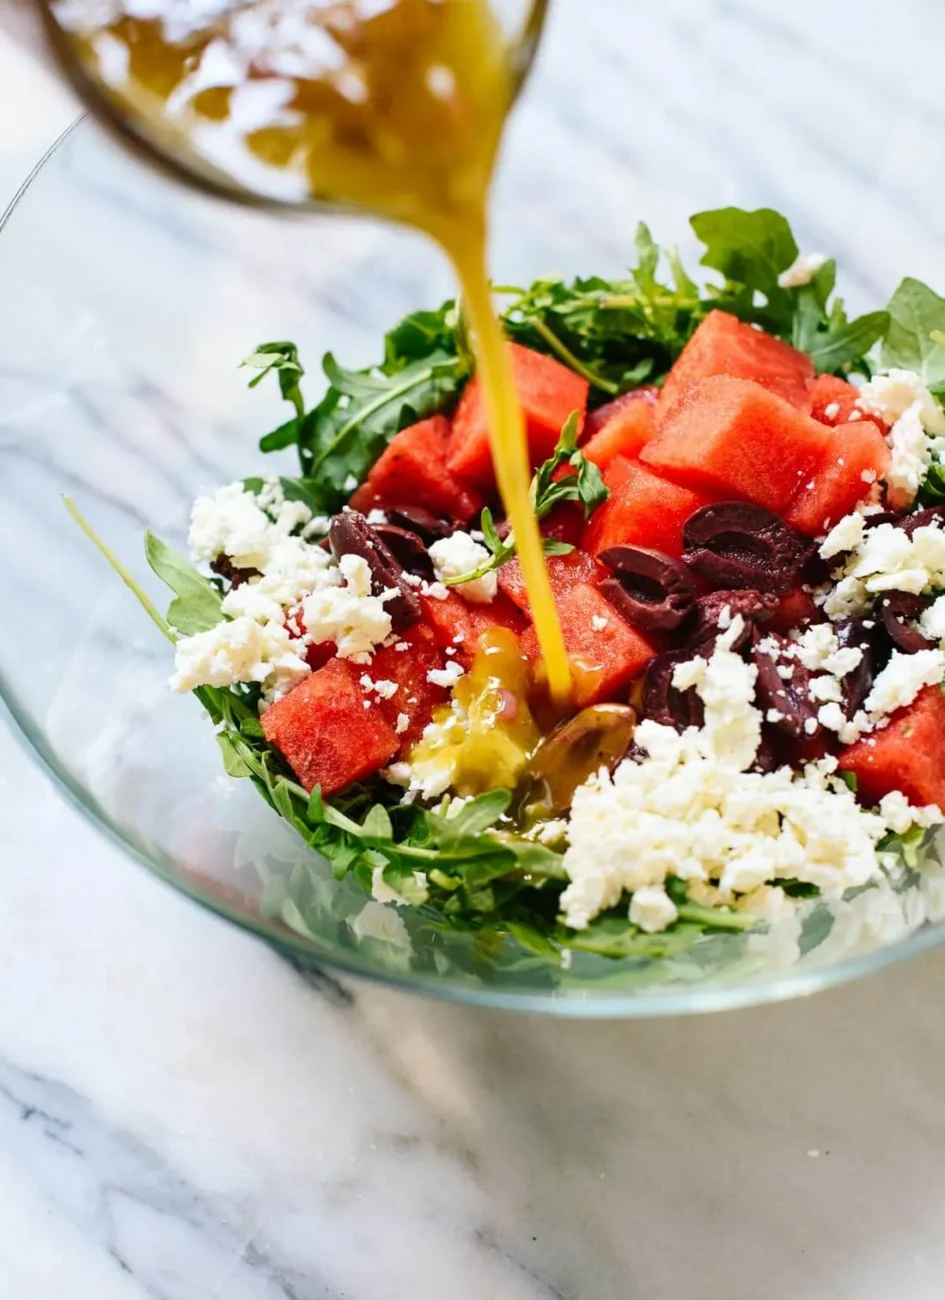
(932, 488)
(196, 606)
(750, 249)
(917, 317)
(283, 359)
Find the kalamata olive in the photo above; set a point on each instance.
(768, 756)
(852, 633)
(350, 534)
(921, 519)
(899, 609)
(736, 544)
(704, 626)
(662, 702)
(427, 526)
(406, 548)
(649, 589)
(786, 701)
(596, 737)
(230, 574)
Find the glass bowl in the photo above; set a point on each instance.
(128, 303)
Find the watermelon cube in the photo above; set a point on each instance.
(724, 345)
(458, 626)
(604, 652)
(834, 402)
(736, 439)
(642, 510)
(621, 427)
(855, 456)
(796, 609)
(564, 572)
(548, 393)
(324, 732)
(407, 664)
(412, 471)
(908, 754)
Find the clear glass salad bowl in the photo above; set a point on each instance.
(128, 304)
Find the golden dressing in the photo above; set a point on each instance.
(402, 120)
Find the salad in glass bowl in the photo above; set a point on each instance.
(742, 497)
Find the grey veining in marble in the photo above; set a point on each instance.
(183, 1116)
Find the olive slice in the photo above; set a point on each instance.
(350, 534)
(788, 697)
(705, 625)
(596, 737)
(921, 519)
(898, 610)
(853, 632)
(740, 545)
(407, 549)
(662, 701)
(427, 526)
(649, 589)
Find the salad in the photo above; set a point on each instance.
(741, 492)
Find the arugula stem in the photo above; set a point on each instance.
(715, 919)
(156, 617)
(569, 359)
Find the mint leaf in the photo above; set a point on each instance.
(916, 314)
(196, 606)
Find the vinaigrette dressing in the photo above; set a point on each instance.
(394, 108)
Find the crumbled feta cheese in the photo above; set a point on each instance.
(910, 457)
(826, 687)
(900, 816)
(375, 517)
(434, 590)
(350, 483)
(403, 722)
(847, 535)
(902, 679)
(832, 410)
(382, 892)
(385, 689)
(598, 622)
(350, 616)
(458, 554)
(889, 396)
(383, 923)
(447, 676)
(887, 559)
(814, 646)
(239, 650)
(932, 621)
(652, 909)
(801, 271)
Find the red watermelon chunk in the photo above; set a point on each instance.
(796, 609)
(457, 625)
(621, 427)
(564, 572)
(407, 663)
(604, 652)
(908, 754)
(548, 393)
(642, 510)
(724, 345)
(834, 402)
(412, 471)
(734, 438)
(855, 456)
(324, 732)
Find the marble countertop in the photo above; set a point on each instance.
(186, 1117)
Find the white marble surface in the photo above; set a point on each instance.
(184, 1117)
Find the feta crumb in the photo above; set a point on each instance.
(385, 689)
(350, 616)
(831, 410)
(902, 679)
(932, 621)
(403, 722)
(401, 646)
(598, 622)
(801, 271)
(350, 483)
(890, 395)
(434, 590)
(652, 909)
(457, 555)
(910, 458)
(847, 535)
(447, 676)
(375, 517)
(382, 892)
(239, 650)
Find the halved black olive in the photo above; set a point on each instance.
(705, 627)
(350, 534)
(662, 701)
(737, 544)
(427, 526)
(649, 589)
(899, 609)
(921, 519)
(406, 548)
(788, 698)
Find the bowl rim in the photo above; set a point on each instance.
(575, 1003)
